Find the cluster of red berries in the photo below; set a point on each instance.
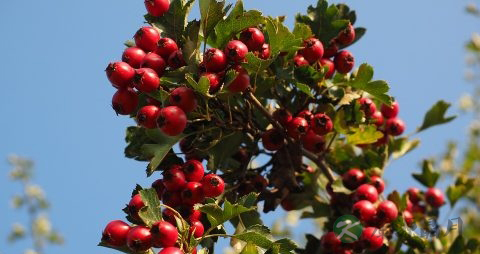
(417, 202)
(181, 188)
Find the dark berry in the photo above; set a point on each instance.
(175, 60)
(264, 52)
(347, 35)
(371, 238)
(193, 193)
(307, 114)
(165, 47)
(172, 198)
(434, 197)
(193, 170)
(120, 74)
(377, 118)
(299, 60)
(155, 62)
(313, 50)
(387, 211)
(366, 192)
(330, 242)
(197, 229)
(172, 120)
(214, 81)
(367, 106)
(146, 80)
(133, 56)
(390, 111)
(395, 126)
(297, 127)
(147, 116)
(364, 210)
(147, 38)
(213, 185)
(139, 239)
(115, 233)
(353, 178)
(344, 61)
(236, 51)
(331, 67)
(414, 195)
(159, 187)
(378, 183)
(313, 142)
(253, 38)
(273, 140)
(283, 116)
(134, 206)
(321, 124)
(331, 50)
(408, 217)
(125, 101)
(184, 98)
(164, 234)
(174, 179)
(241, 82)
(215, 60)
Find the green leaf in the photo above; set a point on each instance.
(224, 149)
(338, 187)
(458, 246)
(429, 176)
(217, 216)
(286, 245)
(400, 201)
(340, 123)
(364, 135)
(462, 186)
(308, 75)
(248, 200)
(412, 239)
(211, 13)
(280, 37)
(256, 235)
(250, 248)
(473, 245)
(201, 87)
(305, 89)
(174, 77)
(254, 64)
(190, 49)
(402, 146)
(151, 212)
(129, 43)
(436, 115)
(302, 31)
(160, 95)
(136, 138)
(377, 89)
(321, 209)
(158, 151)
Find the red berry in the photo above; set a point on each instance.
(434, 197)
(408, 216)
(321, 124)
(307, 114)
(193, 193)
(172, 120)
(164, 234)
(159, 187)
(196, 227)
(155, 62)
(215, 60)
(377, 118)
(172, 199)
(184, 98)
(378, 183)
(330, 242)
(165, 47)
(236, 51)
(331, 67)
(297, 127)
(193, 170)
(331, 50)
(414, 195)
(124, 101)
(264, 52)
(283, 116)
(147, 38)
(364, 210)
(133, 56)
(273, 140)
(367, 106)
(366, 192)
(175, 60)
(371, 238)
(120, 74)
(395, 126)
(344, 61)
(390, 112)
(299, 60)
(213, 185)
(157, 8)
(387, 211)
(418, 209)
(134, 206)
(154, 102)
(346, 36)
(194, 215)
(409, 205)
(146, 80)
(241, 82)
(169, 215)
(174, 179)
(353, 178)
(214, 81)
(115, 233)
(139, 239)
(147, 116)
(313, 50)
(253, 38)
(287, 204)
(171, 250)
(259, 183)
(313, 142)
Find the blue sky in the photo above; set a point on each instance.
(56, 99)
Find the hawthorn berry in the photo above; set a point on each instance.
(330, 241)
(353, 178)
(133, 56)
(409, 205)
(344, 61)
(159, 187)
(371, 238)
(154, 62)
(125, 101)
(171, 250)
(377, 118)
(174, 179)
(259, 183)
(331, 50)
(273, 140)
(172, 120)
(164, 234)
(120, 74)
(214, 81)
(253, 38)
(214, 60)
(184, 98)
(367, 106)
(146, 80)
(213, 185)
(115, 233)
(331, 67)
(147, 116)
(264, 52)
(378, 183)
(414, 195)
(287, 204)
(307, 114)
(139, 239)
(434, 197)
(387, 211)
(169, 216)
(321, 124)
(193, 193)
(172, 198)
(347, 35)
(364, 210)
(390, 111)
(194, 215)
(193, 170)
(313, 142)
(157, 8)
(153, 101)
(283, 116)
(300, 60)
(313, 50)
(242, 155)
(366, 192)
(197, 229)
(297, 127)
(408, 217)
(165, 47)
(147, 38)
(395, 126)
(236, 51)
(175, 60)
(134, 206)
(241, 82)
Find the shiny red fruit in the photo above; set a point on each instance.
(313, 142)
(193, 170)
(321, 124)
(193, 193)
(377, 118)
(347, 35)
(283, 116)
(241, 82)
(159, 187)
(331, 67)
(154, 62)
(120, 74)
(395, 126)
(194, 215)
(434, 197)
(414, 195)
(172, 120)
(253, 38)
(174, 179)
(171, 250)
(371, 238)
(366, 192)
(364, 210)
(390, 111)
(165, 47)
(147, 38)
(157, 8)
(164, 234)
(387, 211)
(408, 217)
(133, 56)
(367, 106)
(175, 60)
(215, 60)
(273, 140)
(307, 114)
(300, 60)
(353, 178)
(147, 116)
(313, 50)
(378, 183)
(330, 242)
(184, 98)
(172, 199)
(236, 51)
(139, 239)
(196, 227)
(134, 206)
(146, 80)
(115, 233)
(125, 101)
(331, 50)
(344, 61)
(264, 52)
(214, 81)
(297, 127)
(213, 185)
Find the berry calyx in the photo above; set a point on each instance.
(387, 211)
(299, 60)
(395, 126)
(147, 116)
(236, 51)
(164, 234)
(157, 8)
(390, 111)
(125, 101)
(241, 82)
(193, 170)
(313, 50)
(367, 106)
(321, 124)
(364, 210)
(139, 239)
(215, 60)
(115, 233)
(165, 47)
(344, 61)
(172, 120)
(347, 35)
(366, 192)
(273, 140)
(197, 229)
(154, 62)
(174, 179)
(378, 183)
(353, 178)
(331, 67)
(213, 185)
(184, 98)
(133, 56)
(147, 38)
(175, 60)
(171, 250)
(120, 74)
(146, 80)
(297, 127)
(253, 38)
(434, 197)
(371, 238)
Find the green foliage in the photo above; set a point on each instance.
(429, 176)
(436, 115)
(378, 88)
(364, 135)
(412, 239)
(150, 213)
(402, 146)
(462, 186)
(280, 37)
